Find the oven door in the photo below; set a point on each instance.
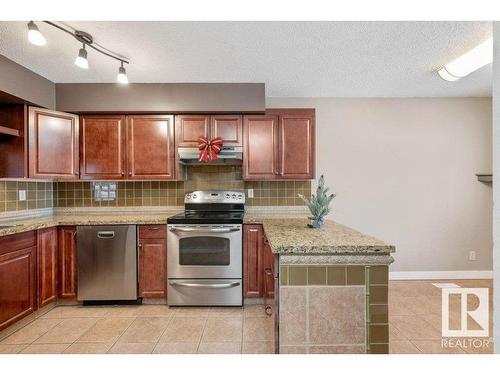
(204, 251)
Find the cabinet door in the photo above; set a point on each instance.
(268, 269)
(252, 261)
(53, 144)
(150, 147)
(297, 152)
(67, 270)
(102, 147)
(229, 128)
(17, 277)
(153, 267)
(47, 266)
(260, 151)
(188, 128)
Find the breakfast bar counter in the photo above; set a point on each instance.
(332, 288)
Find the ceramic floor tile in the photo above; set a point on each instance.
(415, 327)
(190, 312)
(11, 349)
(155, 310)
(480, 346)
(88, 348)
(124, 311)
(219, 348)
(107, 330)
(402, 347)
(68, 331)
(223, 329)
(258, 347)
(32, 331)
(77, 312)
(145, 329)
(45, 349)
(184, 329)
(176, 348)
(132, 348)
(258, 329)
(232, 312)
(254, 311)
(435, 347)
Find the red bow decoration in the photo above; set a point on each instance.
(209, 149)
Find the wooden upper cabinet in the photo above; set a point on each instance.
(188, 128)
(102, 147)
(228, 127)
(279, 145)
(17, 277)
(260, 151)
(47, 266)
(150, 147)
(53, 144)
(297, 152)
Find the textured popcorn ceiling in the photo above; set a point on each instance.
(302, 59)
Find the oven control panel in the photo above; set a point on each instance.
(215, 196)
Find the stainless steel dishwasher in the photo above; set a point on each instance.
(107, 262)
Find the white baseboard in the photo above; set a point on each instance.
(439, 275)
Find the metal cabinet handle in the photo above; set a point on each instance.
(106, 234)
(154, 228)
(212, 230)
(205, 286)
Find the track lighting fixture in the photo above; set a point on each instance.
(122, 75)
(34, 35)
(81, 59)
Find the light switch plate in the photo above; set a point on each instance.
(250, 193)
(22, 195)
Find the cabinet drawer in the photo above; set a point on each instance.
(17, 241)
(153, 231)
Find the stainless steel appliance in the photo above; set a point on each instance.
(204, 245)
(227, 155)
(107, 262)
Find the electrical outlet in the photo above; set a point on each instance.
(250, 193)
(472, 255)
(22, 195)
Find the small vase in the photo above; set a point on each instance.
(316, 224)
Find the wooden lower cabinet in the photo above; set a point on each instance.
(17, 277)
(47, 266)
(258, 263)
(152, 261)
(67, 266)
(253, 261)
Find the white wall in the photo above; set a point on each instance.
(404, 171)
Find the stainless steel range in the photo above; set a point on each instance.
(204, 245)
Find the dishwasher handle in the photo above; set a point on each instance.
(106, 234)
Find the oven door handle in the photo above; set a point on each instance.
(206, 286)
(198, 230)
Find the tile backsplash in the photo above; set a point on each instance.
(38, 195)
(152, 193)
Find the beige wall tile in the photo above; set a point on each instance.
(293, 315)
(331, 322)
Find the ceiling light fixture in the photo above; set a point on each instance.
(81, 59)
(469, 62)
(122, 75)
(34, 35)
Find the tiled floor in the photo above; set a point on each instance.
(414, 307)
(145, 329)
(415, 318)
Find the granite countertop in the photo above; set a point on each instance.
(292, 236)
(39, 222)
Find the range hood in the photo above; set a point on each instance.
(228, 155)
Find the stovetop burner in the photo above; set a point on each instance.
(211, 207)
